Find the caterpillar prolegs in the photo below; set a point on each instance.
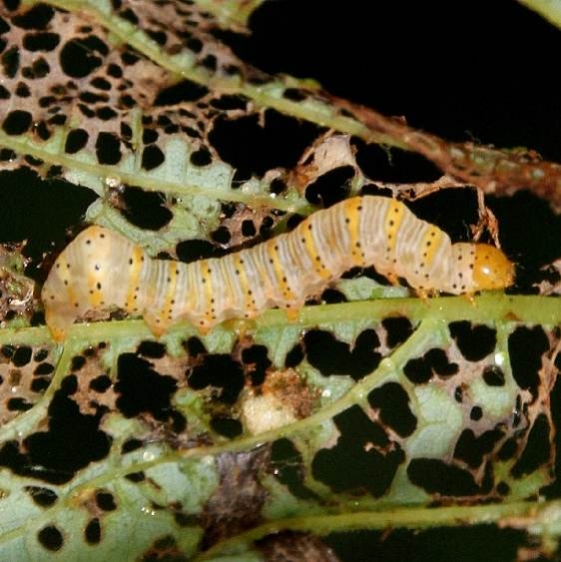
(101, 269)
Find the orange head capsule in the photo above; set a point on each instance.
(491, 268)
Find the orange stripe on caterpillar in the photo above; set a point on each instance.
(102, 269)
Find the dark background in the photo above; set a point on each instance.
(479, 70)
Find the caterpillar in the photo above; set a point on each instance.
(101, 269)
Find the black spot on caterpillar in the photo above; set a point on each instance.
(101, 269)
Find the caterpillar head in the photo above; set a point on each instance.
(491, 268)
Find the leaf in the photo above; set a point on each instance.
(365, 414)
(549, 10)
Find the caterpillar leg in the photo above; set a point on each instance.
(424, 294)
(470, 297)
(59, 316)
(157, 325)
(393, 278)
(292, 314)
(241, 326)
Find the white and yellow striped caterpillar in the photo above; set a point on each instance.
(101, 269)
